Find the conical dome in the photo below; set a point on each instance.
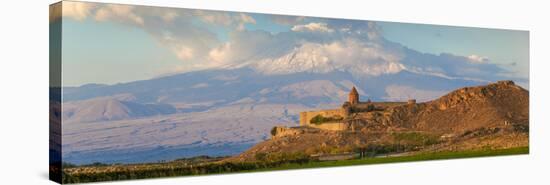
(353, 96)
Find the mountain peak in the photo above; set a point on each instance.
(321, 59)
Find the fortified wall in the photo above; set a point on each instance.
(334, 126)
(347, 110)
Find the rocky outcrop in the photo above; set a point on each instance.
(496, 115)
(492, 105)
(282, 131)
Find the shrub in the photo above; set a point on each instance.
(68, 165)
(319, 119)
(260, 156)
(282, 157)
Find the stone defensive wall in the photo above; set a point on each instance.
(335, 126)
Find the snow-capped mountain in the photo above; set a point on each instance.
(319, 58)
(223, 111)
(215, 112)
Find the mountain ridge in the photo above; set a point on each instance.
(239, 83)
(111, 108)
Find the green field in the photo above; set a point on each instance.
(419, 157)
(172, 169)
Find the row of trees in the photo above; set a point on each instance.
(296, 157)
(406, 142)
(268, 161)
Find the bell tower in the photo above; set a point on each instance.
(353, 96)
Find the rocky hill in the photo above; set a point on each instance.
(492, 105)
(491, 116)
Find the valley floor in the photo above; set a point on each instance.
(214, 166)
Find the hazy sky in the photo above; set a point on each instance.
(118, 43)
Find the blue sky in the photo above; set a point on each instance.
(504, 47)
(111, 44)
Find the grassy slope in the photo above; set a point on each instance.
(419, 157)
(175, 172)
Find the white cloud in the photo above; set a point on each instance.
(244, 18)
(247, 18)
(189, 46)
(245, 46)
(313, 27)
(213, 17)
(324, 45)
(355, 51)
(450, 66)
(169, 16)
(478, 59)
(198, 46)
(152, 15)
(221, 55)
(373, 32)
(349, 55)
(77, 10)
(121, 13)
(236, 20)
(128, 14)
(184, 52)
